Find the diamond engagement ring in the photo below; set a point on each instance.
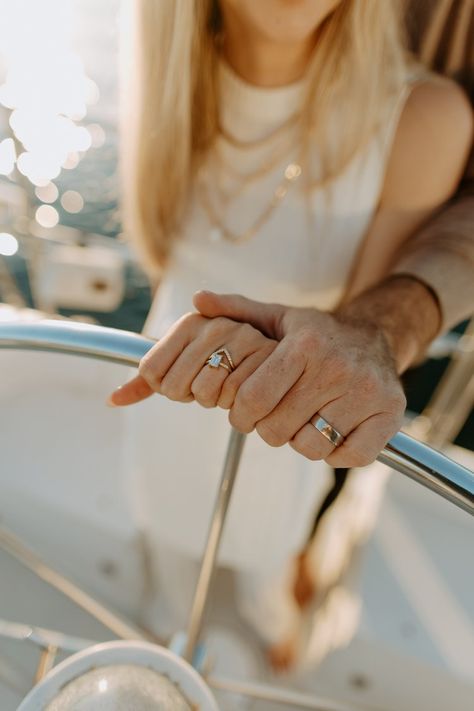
(221, 358)
(327, 430)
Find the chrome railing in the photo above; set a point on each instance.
(403, 453)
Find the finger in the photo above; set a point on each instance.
(158, 361)
(134, 391)
(176, 384)
(296, 408)
(265, 317)
(311, 443)
(338, 413)
(239, 339)
(208, 385)
(365, 443)
(234, 381)
(264, 389)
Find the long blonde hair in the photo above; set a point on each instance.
(170, 101)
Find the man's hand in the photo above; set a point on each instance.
(342, 369)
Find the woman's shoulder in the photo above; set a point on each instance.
(440, 104)
(431, 144)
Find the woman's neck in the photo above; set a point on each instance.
(262, 62)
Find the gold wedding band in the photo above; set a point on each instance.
(216, 359)
(327, 430)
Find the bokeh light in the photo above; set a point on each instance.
(7, 156)
(39, 168)
(47, 216)
(72, 201)
(97, 135)
(72, 161)
(47, 193)
(46, 87)
(8, 244)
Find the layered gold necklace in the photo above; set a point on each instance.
(217, 207)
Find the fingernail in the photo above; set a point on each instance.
(110, 401)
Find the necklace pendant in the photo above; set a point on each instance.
(292, 172)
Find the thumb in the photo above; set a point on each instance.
(266, 317)
(135, 390)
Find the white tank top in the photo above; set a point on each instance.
(303, 254)
(299, 257)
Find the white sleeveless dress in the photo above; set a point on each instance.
(302, 256)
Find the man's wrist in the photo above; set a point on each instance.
(404, 309)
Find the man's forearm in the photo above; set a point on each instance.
(442, 256)
(404, 309)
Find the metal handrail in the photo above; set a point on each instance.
(403, 453)
(428, 467)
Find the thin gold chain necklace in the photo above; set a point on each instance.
(219, 229)
(257, 142)
(277, 154)
(240, 181)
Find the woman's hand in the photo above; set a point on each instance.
(177, 365)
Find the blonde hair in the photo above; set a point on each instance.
(170, 101)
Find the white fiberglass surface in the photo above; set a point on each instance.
(64, 492)
(62, 483)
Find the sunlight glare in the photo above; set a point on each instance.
(46, 86)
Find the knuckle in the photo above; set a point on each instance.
(398, 402)
(228, 393)
(248, 332)
(206, 402)
(241, 424)
(218, 326)
(302, 446)
(248, 398)
(166, 389)
(295, 443)
(388, 429)
(334, 460)
(271, 433)
(171, 388)
(189, 319)
(342, 368)
(202, 395)
(357, 457)
(370, 384)
(147, 371)
(309, 339)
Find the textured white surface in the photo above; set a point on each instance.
(122, 676)
(120, 688)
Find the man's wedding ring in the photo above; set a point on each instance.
(327, 430)
(221, 358)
